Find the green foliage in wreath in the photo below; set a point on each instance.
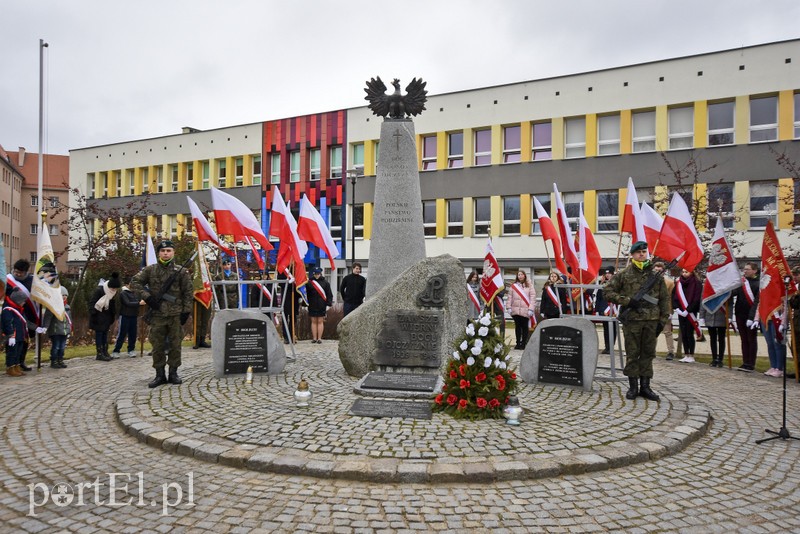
(478, 380)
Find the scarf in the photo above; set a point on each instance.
(102, 302)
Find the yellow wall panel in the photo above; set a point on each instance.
(741, 205)
(701, 204)
(591, 134)
(197, 174)
(525, 211)
(625, 131)
(785, 115)
(525, 142)
(590, 209)
(741, 125)
(137, 181)
(700, 124)
(497, 144)
(441, 150)
(496, 217)
(441, 217)
(181, 176)
(247, 171)
(469, 217)
(662, 128)
(785, 203)
(368, 207)
(369, 158)
(558, 137)
(230, 171)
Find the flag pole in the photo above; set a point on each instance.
(39, 322)
(238, 282)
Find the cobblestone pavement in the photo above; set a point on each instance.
(59, 451)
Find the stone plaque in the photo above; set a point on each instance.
(391, 408)
(560, 355)
(410, 338)
(245, 346)
(400, 381)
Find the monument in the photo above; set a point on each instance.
(398, 236)
(245, 338)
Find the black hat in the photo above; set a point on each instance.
(316, 270)
(226, 260)
(610, 270)
(639, 245)
(114, 283)
(166, 243)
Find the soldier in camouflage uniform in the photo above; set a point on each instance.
(644, 322)
(168, 313)
(227, 295)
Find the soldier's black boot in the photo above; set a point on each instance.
(173, 376)
(159, 380)
(646, 392)
(633, 391)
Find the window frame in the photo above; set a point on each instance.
(511, 226)
(455, 228)
(189, 176)
(725, 192)
(258, 169)
(455, 160)
(34, 201)
(512, 153)
(537, 149)
(478, 224)
(716, 136)
(579, 124)
(481, 156)
(763, 213)
(238, 170)
(609, 146)
(676, 139)
(275, 174)
(314, 167)
(608, 223)
(429, 144)
(294, 166)
(764, 128)
(335, 157)
(428, 226)
(222, 173)
(649, 139)
(335, 229)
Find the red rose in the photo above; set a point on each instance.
(481, 402)
(453, 374)
(462, 369)
(513, 376)
(451, 399)
(480, 377)
(464, 384)
(501, 383)
(494, 403)
(462, 404)
(438, 399)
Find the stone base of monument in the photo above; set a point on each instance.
(562, 352)
(399, 385)
(245, 338)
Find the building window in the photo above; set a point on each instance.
(33, 256)
(256, 170)
(681, 127)
(483, 213)
(174, 173)
(335, 221)
(189, 176)
(572, 207)
(429, 153)
(455, 217)
(34, 200)
(377, 155)
(455, 150)
(239, 169)
(720, 203)
(159, 179)
(608, 135)
(314, 172)
(206, 174)
(544, 200)
(117, 183)
(644, 131)
(511, 144)
(763, 119)
(294, 166)
(483, 147)
(720, 123)
(275, 168)
(145, 180)
(34, 229)
(131, 182)
(358, 221)
(608, 211)
(54, 202)
(222, 172)
(687, 194)
(763, 203)
(53, 229)
(511, 215)
(336, 162)
(429, 217)
(90, 179)
(797, 115)
(358, 156)
(575, 137)
(542, 141)
(172, 225)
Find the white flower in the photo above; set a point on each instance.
(497, 362)
(502, 365)
(475, 351)
(478, 343)
(507, 356)
(456, 356)
(485, 320)
(496, 331)
(463, 345)
(498, 348)
(470, 330)
(487, 362)
(482, 331)
(470, 360)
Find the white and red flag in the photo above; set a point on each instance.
(589, 258)
(201, 280)
(678, 234)
(632, 222)
(651, 222)
(570, 254)
(774, 270)
(311, 228)
(235, 219)
(46, 288)
(549, 233)
(492, 279)
(149, 252)
(722, 275)
(203, 228)
(283, 226)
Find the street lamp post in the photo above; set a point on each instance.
(354, 175)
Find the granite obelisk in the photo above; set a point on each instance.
(398, 236)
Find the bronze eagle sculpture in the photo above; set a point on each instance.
(396, 105)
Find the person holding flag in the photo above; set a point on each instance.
(19, 279)
(744, 310)
(648, 312)
(522, 301)
(320, 298)
(203, 296)
(686, 299)
(473, 300)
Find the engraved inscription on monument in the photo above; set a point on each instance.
(410, 338)
(391, 408)
(400, 381)
(560, 356)
(245, 346)
(396, 213)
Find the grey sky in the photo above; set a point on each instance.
(118, 71)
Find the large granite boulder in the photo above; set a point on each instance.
(360, 330)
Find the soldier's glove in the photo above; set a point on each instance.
(184, 317)
(634, 304)
(12, 341)
(153, 302)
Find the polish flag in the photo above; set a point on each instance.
(492, 279)
(150, 252)
(236, 219)
(589, 258)
(566, 234)
(311, 228)
(549, 233)
(283, 226)
(203, 227)
(774, 270)
(651, 222)
(723, 275)
(632, 217)
(678, 234)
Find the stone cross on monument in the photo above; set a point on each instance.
(398, 236)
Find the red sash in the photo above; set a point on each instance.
(684, 304)
(21, 318)
(518, 289)
(29, 303)
(748, 291)
(318, 288)
(553, 297)
(473, 298)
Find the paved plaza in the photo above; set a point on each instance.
(224, 456)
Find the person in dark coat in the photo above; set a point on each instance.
(603, 307)
(23, 280)
(554, 298)
(320, 298)
(353, 289)
(128, 322)
(102, 312)
(744, 310)
(291, 302)
(15, 329)
(688, 306)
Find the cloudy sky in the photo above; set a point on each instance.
(118, 71)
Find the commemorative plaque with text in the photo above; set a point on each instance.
(245, 346)
(561, 356)
(391, 408)
(410, 338)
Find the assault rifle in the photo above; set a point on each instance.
(641, 297)
(154, 300)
